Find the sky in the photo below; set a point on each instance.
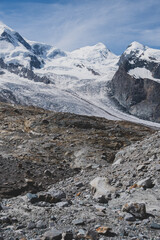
(71, 24)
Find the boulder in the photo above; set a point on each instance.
(145, 183)
(100, 187)
(138, 210)
(52, 234)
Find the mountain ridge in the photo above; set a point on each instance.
(81, 76)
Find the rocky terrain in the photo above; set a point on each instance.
(66, 176)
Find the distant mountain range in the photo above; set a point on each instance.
(88, 81)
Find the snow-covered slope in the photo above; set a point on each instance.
(142, 73)
(15, 89)
(48, 77)
(19, 90)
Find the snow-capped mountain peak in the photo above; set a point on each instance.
(15, 49)
(9, 35)
(138, 50)
(98, 52)
(141, 61)
(136, 46)
(135, 49)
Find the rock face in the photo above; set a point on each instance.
(136, 84)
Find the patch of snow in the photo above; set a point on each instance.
(142, 73)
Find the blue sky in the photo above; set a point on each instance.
(71, 24)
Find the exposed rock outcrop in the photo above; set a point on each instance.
(139, 96)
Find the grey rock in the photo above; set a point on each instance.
(155, 225)
(81, 233)
(43, 204)
(21, 226)
(92, 234)
(158, 167)
(48, 173)
(140, 167)
(57, 195)
(62, 204)
(52, 234)
(41, 224)
(68, 235)
(53, 218)
(78, 222)
(79, 184)
(5, 219)
(142, 236)
(101, 187)
(145, 221)
(129, 217)
(52, 196)
(33, 198)
(102, 199)
(100, 208)
(31, 225)
(138, 210)
(145, 183)
(123, 233)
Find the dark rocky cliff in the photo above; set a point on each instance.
(138, 96)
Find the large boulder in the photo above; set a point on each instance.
(101, 188)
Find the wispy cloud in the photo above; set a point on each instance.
(72, 24)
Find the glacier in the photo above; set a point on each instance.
(78, 80)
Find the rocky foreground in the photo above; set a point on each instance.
(65, 176)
